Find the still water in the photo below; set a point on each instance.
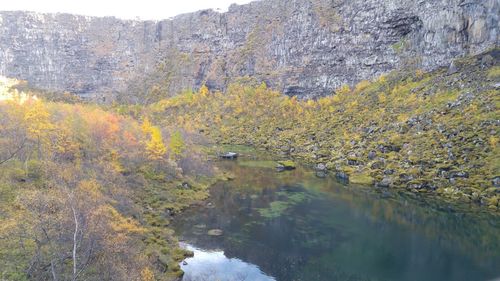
(295, 226)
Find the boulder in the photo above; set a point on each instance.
(229, 155)
(321, 167)
(496, 182)
(385, 182)
(286, 165)
(452, 68)
(321, 174)
(372, 154)
(215, 232)
(342, 177)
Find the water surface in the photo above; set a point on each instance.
(295, 226)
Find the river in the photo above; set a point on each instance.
(296, 226)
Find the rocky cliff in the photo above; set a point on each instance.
(301, 47)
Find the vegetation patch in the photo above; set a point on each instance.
(88, 194)
(419, 131)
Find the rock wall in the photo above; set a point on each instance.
(306, 48)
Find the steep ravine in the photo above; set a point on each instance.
(306, 48)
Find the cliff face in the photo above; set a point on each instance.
(301, 47)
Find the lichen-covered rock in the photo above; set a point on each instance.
(301, 47)
(286, 165)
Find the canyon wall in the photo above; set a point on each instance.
(306, 48)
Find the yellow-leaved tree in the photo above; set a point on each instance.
(146, 126)
(39, 126)
(147, 275)
(204, 91)
(155, 147)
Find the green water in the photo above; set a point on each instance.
(296, 226)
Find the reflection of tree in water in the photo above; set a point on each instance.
(280, 246)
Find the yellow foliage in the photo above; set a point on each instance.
(419, 73)
(311, 103)
(90, 189)
(155, 147)
(353, 104)
(402, 118)
(494, 72)
(64, 143)
(336, 99)
(344, 90)
(325, 102)
(362, 85)
(121, 224)
(37, 118)
(203, 91)
(146, 126)
(382, 98)
(493, 142)
(147, 275)
(382, 79)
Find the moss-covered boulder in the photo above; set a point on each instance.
(286, 165)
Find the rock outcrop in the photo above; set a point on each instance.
(306, 48)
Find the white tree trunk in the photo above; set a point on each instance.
(75, 235)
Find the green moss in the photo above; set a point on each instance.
(276, 209)
(363, 179)
(287, 164)
(494, 72)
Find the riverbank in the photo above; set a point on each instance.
(86, 193)
(434, 133)
(294, 225)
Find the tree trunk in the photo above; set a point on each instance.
(75, 235)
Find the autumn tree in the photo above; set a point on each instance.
(203, 91)
(39, 126)
(155, 147)
(176, 145)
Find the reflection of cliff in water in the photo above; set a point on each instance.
(320, 229)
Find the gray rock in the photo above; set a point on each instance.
(496, 182)
(487, 60)
(452, 69)
(406, 178)
(215, 232)
(377, 165)
(286, 165)
(321, 167)
(353, 162)
(303, 48)
(385, 183)
(454, 175)
(342, 176)
(389, 172)
(229, 155)
(321, 174)
(372, 154)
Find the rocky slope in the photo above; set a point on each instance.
(434, 132)
(301, 47)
